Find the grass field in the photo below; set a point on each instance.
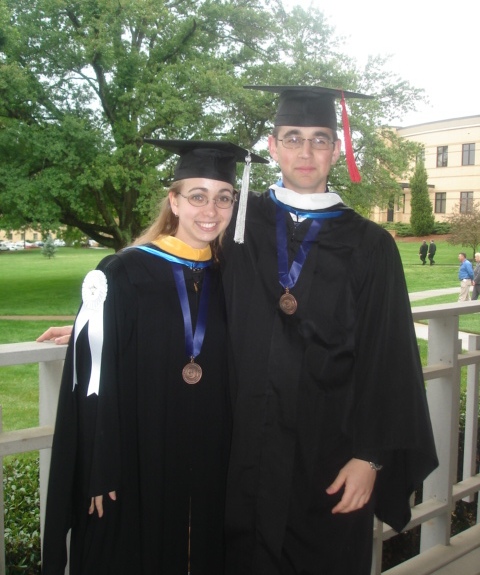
(34, 285)
(444, 274)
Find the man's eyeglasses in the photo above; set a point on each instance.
(223, 201)
(295, 142)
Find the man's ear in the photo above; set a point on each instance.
(336, 151)
(272, 147)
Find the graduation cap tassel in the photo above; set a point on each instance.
(242, 202)
(351, 164)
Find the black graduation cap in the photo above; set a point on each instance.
(307, 106)
(215, 161)
(312, 106)
(203, 159)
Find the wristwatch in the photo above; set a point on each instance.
(375, 466)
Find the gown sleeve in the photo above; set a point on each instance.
(85, 451)
(390, 390)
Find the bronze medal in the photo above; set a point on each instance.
(192, 373)
(288, 304)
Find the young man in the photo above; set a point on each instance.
(465, 276)
(423, 252)
(432, 250)
(330, 416)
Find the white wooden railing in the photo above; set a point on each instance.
(439, 552)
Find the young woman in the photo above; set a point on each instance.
(141, 440)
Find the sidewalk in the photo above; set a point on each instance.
(422, 330)
(415, 296)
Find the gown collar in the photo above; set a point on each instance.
(308, 202)
(178, 248)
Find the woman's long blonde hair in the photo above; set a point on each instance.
(166, 224)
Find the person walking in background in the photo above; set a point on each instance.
(465, 275)
(432, 249)
(142, 435)
(476, 277)
(423, 252)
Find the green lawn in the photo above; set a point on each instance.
(34, 285)
(19, 383)
(443, 274)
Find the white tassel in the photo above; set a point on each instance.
(242, 202)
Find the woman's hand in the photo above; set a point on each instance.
(97, 503)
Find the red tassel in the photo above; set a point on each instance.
(351, 164)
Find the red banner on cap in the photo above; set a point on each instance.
(351, 164)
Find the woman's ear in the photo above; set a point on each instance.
(172, 198)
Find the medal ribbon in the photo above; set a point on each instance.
(193, 341)
(288, 277)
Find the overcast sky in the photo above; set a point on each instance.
(434, 45)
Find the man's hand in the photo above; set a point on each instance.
(358, 478)
(59, 335)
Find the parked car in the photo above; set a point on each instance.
(39, 244)
(19, 245)
(3, 247)
(59, 243)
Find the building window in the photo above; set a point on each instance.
(468, 155)
(442, 156)
(440, 202)
(466, 202)
(391, 205)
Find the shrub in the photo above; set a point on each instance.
(22, 516)
(400, 229)
(441, 228)
(49, 249)
(403, 230)
(421, 219)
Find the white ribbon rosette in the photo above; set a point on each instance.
(94, 294)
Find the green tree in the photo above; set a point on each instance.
(421, 218)
(82, 83)
(465, 227)
(49, 248)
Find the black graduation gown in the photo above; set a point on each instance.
(340, 378)
(160, 443)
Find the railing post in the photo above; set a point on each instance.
(377, 551)
(2, 509)
(443, 398)
(471, 417)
